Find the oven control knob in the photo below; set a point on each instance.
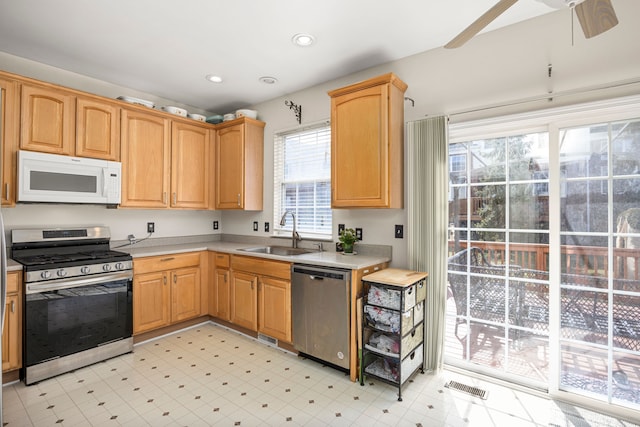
(45, 274)
(106, 267)
(119, 266)
(61, 272)
(85, 270)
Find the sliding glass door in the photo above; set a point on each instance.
(498, 247)
(600, 238)
(544, 255)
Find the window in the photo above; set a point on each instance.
(302, 180)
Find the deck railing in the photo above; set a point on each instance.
(585, 260)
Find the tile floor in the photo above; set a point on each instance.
(210, 376)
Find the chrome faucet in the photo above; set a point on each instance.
(295, 237)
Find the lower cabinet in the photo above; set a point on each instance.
(274, 308)
(150, 301)
(166, 290)
(220, 290)
(259, 295)
(244, 300)
(12, 334)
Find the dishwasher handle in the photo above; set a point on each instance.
(321, 273)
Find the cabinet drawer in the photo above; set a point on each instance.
(261, 266)
(13, 282)
(221, 260)
(166, 262)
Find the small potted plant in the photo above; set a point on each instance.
(348, 238)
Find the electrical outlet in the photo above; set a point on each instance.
(359, 233)
(215, 225)
(266, 227)
(399, 231)
(151, 227)
(255, 225)
(340, 228)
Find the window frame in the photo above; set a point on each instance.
(279, 163)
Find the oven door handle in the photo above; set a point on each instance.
(74, 282)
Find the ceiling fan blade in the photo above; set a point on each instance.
(596, 17)
(480, 23)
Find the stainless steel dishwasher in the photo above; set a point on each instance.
(320, 312)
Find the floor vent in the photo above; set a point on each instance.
(267, 339)
(473, 391)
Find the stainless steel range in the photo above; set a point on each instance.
(78, 299)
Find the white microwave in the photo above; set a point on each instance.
(52, 178)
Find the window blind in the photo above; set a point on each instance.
(302, 180)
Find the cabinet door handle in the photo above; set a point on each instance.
(225, 277)
(164, 198)
(167, 259)
(13, 306)
(175, 199)
(175, 278)
(6, 190)
(165, 279)
(238, 199)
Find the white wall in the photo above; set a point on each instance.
(502, 66)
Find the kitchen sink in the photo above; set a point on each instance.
(278, 250)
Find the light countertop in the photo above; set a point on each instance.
(325, 258)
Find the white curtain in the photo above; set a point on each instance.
(428, 185)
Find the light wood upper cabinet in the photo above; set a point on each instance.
(97, 129)
(60, 122)
(146, 157)
(12, 333)
(367, 138)
(191, 147)
(165, 163)
(239, 164)
(47, 120)
(9, 135)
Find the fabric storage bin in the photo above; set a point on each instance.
(392, 297)
(411, 341)
(421, 290)
(389, 345)
(412, 362)
(388, 320)
(394, 370)
(418, 313)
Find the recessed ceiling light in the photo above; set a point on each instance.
(303, 39)
(268, 80)
(214, 79)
